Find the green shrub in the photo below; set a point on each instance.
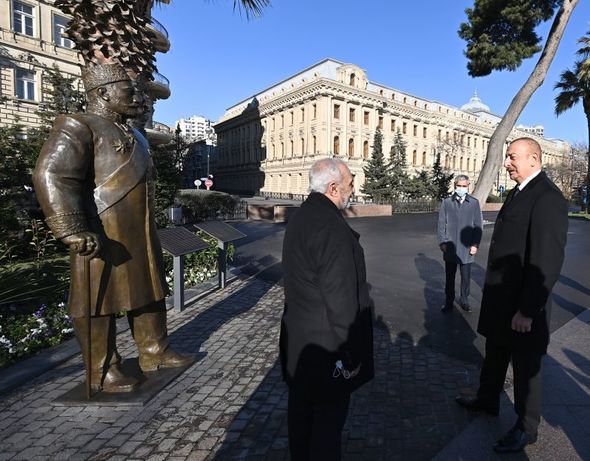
(33, 283)
(200, 205)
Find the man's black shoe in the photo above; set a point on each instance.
(474, 404)
(465, 307)
(446, 308)
(514, 440)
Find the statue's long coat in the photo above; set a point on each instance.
(95, 175)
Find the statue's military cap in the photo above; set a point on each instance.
(103, 74)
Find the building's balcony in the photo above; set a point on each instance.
(160, 34)
(159, 87)
(159, 133)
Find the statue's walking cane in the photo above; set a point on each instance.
(86, 275)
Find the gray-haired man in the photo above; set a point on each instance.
(459, 234)
(326, 331)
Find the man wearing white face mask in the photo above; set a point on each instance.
(459, 234)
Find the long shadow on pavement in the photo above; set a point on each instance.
(406, 412)
(189, 337)
(448, 332)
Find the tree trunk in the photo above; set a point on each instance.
(496, 145)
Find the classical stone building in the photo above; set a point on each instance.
(267, 142)
(32, 39)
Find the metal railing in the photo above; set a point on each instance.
(415, 206)
(284, 196)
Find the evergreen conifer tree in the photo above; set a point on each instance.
(62, 96)
(440, 181)
(377, 179)
(397, 167)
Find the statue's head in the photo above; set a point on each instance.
(109, 86)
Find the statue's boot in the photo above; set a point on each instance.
(105, 373)
(148, 326)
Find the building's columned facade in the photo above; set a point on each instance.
(266, 144)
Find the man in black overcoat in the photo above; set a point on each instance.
(326, 342)
(525, 258)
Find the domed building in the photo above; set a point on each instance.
(332, 109)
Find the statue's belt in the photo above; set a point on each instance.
(124, 178)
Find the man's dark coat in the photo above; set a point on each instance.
(327, 314)
(524, 262)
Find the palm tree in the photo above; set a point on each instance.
(115, 30)
(574, 86)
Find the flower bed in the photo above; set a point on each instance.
(23, 334)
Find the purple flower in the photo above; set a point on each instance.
(39, 312)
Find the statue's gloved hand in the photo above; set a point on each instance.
(83, 243)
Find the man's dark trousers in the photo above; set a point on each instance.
(528, 389)
(450, 271)
(315, 425)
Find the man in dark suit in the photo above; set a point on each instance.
(525, 258)
(326, 342)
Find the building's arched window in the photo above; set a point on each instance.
(351, 147)
(468, 164)
(315, 151)
(303, 114)
(292, 151)
(336, 145)
(282, 121)
(314, 109)
(302, 147)
(461, 164)
(366, 150)
(423, 158)
(414, 157)
(447, 161)
(352, 80)
(454, 162)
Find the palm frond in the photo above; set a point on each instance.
(251, 7)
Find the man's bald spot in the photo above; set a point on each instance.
(532, 146)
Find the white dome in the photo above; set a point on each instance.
(475, 105)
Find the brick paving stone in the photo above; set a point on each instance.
(231, 404)
(128, 447)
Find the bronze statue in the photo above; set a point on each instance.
(93, 181)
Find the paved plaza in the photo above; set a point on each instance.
(231, 404)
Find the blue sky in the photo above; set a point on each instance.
(219, 58)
